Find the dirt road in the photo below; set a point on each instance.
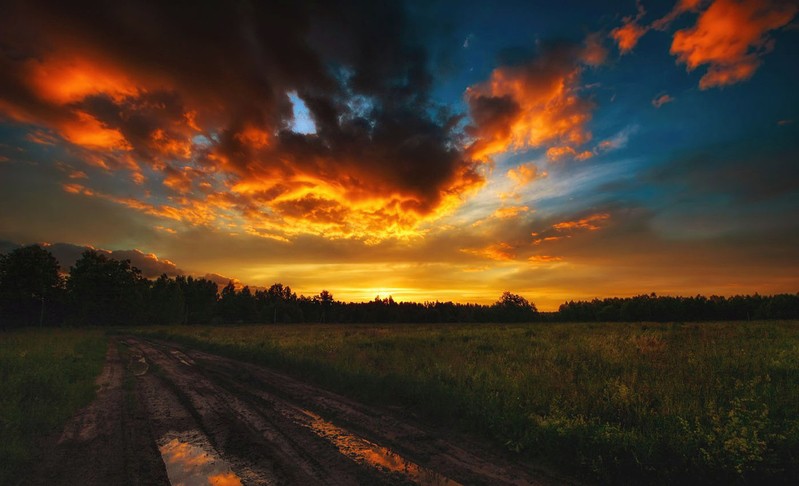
(170, 415)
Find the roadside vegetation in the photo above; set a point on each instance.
(619, 403)
(45, 376)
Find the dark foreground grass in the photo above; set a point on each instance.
(618, 403)
(45, 376)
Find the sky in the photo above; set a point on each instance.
(423, 150)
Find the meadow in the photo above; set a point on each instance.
(614, 403)
(45, 376)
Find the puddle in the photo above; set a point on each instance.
(189, 462)
(366, 452)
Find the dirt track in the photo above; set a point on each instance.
(166, 414)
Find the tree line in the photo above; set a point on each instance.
(675, 309)
(102, 291)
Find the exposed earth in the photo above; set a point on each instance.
(165, 414)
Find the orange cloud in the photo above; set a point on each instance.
(590, 223)
(680, 8)
(87, 131)
(548, 239)
(170, 146)
(531, 105)
(73, 188)
(224, 479)
(371, 221)
(567, 229)
(253, 137)
(525, 173)
(497, 251)
(183, 179)
(631, 31)
(628, 34)
(166, 229)
(510, 211)
(559, 153)
(213, 209)
(544, 259)
(730, 37)
(661, 100)
(78, 95)
(68, 79)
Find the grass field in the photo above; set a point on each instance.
(620, 403)
(45, 376)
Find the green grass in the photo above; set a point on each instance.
(45, 376)
(618, 403)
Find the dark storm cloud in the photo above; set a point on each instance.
(138, 81)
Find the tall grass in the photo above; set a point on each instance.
(620, 403)
(45, 376)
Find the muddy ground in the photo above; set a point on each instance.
(171, 415)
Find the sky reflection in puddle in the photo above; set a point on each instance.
(365, 452)
(192, 465)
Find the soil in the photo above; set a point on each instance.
(165, 414)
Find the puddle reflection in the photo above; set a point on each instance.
(191, 465)
(363, 451)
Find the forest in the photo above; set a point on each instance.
(101, 291)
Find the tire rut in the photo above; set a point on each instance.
(393, 449)
(261, 444)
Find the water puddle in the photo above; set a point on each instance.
(190, 461)
(369, 453)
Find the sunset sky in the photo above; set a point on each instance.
(424, 150)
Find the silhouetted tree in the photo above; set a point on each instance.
(200, 296)
(29, 283)
(245, 305)
(166, 303)
(278, 304)
(227, 306)
(104, 291)
(514, 308)
(325, 301)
